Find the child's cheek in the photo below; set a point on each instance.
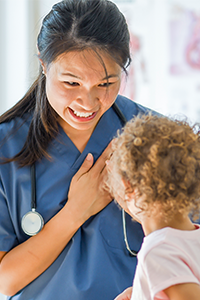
(135, 211)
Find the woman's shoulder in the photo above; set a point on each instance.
(15, 124)
(129, 107)
(13, 133)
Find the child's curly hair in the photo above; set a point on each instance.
(161, 157)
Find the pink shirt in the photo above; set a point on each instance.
(167, 257)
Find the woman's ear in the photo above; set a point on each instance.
(42, 64)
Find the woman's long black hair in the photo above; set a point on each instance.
(71, 25)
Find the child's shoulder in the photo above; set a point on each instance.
(169, 239)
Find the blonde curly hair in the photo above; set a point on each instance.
(161, 158)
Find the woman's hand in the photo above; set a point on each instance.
(87, 195)
(125, 295)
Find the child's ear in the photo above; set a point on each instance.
(130, 196)
(129, 192)
(126, 184)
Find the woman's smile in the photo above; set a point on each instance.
(82, 116)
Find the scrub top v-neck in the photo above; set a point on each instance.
(95, 264)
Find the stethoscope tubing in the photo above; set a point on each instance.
(32, 222)
(33, 187)
(124, 121)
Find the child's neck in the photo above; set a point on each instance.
(179, 221)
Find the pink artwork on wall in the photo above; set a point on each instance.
(184, 32)
(193, 46)
(129, 85)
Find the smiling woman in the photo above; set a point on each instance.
(80, 92)
(64, 124)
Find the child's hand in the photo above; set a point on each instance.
(125, 295)
(183, 291)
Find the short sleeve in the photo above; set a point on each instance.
(166, 265)
(7, 234)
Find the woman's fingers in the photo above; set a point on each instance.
(85, 167)
(101, 161)
(98, 167)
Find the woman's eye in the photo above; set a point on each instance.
(105, 84)
(71, 83)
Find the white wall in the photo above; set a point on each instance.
(14, 58)
(2, 56)
(2, 297)
(163, 79)
(150, 84)
(18, 51)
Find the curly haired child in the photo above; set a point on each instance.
(154, 174)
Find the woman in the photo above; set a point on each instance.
(60, 128)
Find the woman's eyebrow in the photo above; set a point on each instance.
(110, 76)
(71, 75)
(75, 76)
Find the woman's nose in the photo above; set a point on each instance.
(88, 98)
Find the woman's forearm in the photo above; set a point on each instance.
(27, 261)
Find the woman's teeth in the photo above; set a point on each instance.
(82, 115)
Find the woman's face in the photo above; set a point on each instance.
(79, 90)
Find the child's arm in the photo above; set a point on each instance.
(185, 291)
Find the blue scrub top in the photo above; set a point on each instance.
(95, 264)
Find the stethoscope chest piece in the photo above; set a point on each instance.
(32, 222)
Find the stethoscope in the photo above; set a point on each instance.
(32, 222)
(131, 252)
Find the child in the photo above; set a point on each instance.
(154, 174)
